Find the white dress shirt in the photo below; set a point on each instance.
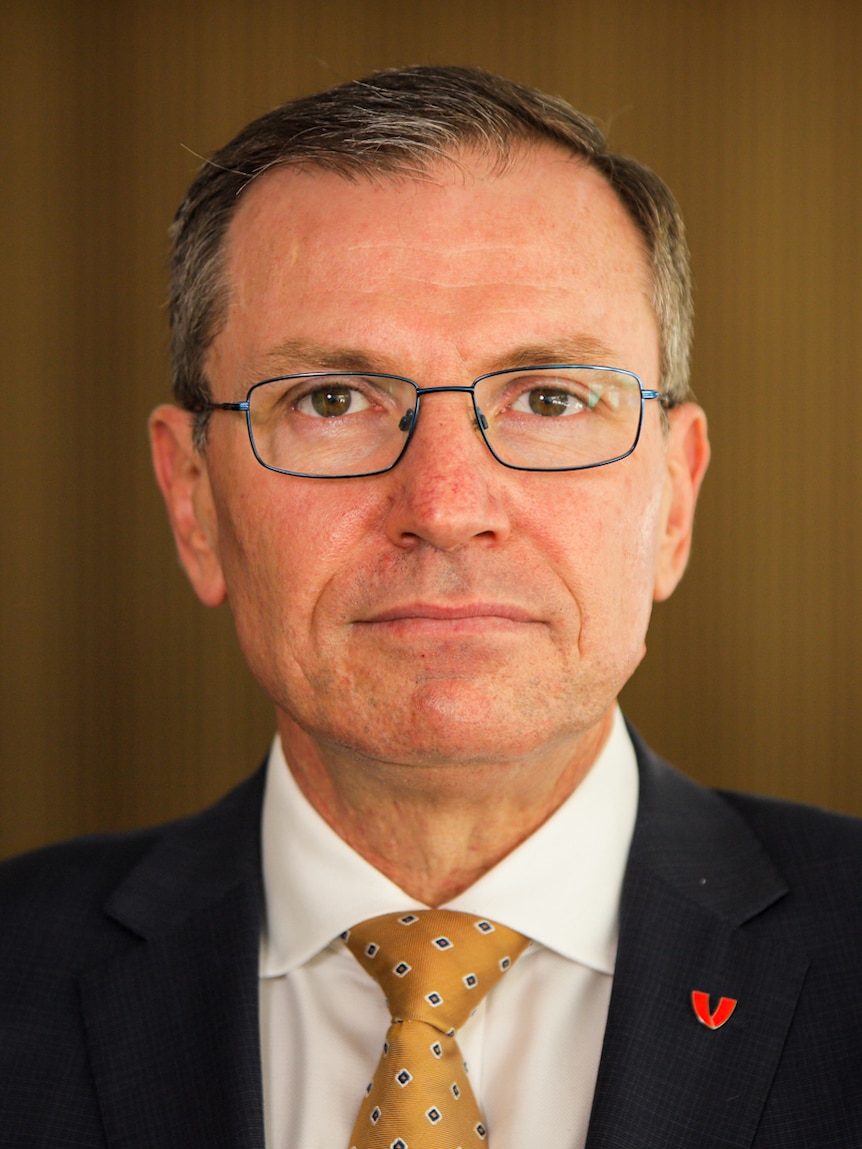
(533, 1045)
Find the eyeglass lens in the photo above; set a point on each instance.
(545, 418)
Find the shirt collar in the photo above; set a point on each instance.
(561, 886)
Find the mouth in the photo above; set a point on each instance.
(442, 619)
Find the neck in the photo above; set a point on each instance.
(435, 830)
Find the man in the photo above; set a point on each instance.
(433, 445)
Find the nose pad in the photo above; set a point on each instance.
(405, 423)
(447, 488)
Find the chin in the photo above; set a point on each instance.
(445, 724)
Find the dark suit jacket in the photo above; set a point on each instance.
(129, 992)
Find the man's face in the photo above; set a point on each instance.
(451, 610)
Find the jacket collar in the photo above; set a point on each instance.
(172, 1023)
(694, 917)
(179, 1009)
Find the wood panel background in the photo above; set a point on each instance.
(123, 700)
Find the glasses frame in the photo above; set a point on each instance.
(245, 407)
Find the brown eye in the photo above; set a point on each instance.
(547, 402)
(331, 400)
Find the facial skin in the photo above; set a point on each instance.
(451, 632)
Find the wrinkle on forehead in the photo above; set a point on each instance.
(470, 171)
(440, 248)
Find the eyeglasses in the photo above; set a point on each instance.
(344, 424)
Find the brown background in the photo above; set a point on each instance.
(123, 701)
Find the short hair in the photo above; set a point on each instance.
(402, 122)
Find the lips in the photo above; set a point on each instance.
(441, 612)
(429, 622)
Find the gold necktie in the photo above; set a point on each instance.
(434, 966)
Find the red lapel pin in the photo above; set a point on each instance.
(725, 1007)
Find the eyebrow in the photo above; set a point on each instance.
(583, 349)
(300, 355)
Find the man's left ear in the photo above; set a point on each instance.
(687, 459)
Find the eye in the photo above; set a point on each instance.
(549, 402)
(332, 399)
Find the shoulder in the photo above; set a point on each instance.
(818, 851)
(72, 904)
(798, 830)
(793, 834)
(103, 919)
(739, 854)
(51, 900)
(55, 928)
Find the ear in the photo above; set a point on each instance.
(183, 479)
(687, 458)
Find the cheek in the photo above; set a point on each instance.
(641, 540)
(284, 547)
(635, 586)
(602, 541)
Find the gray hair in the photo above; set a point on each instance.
(401, 122)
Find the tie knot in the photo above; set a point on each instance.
(434, 965)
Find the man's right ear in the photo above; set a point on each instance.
(183, 479)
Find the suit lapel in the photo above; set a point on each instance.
(694, 917)
(172, 1023)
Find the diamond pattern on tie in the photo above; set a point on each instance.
(434, 967)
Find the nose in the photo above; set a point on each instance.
(448, 490)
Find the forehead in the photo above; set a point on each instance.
(459, 254)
